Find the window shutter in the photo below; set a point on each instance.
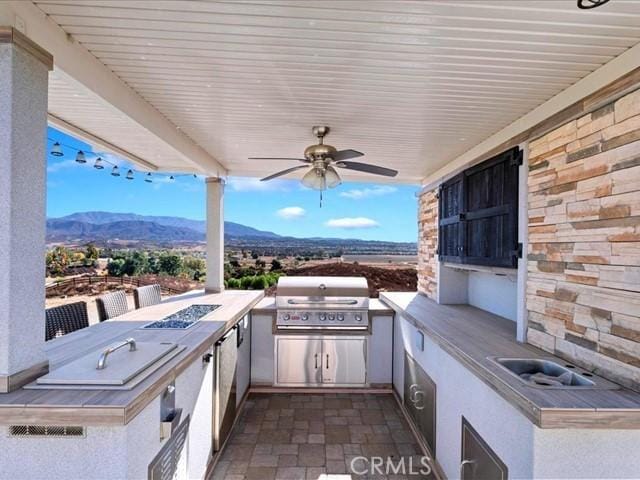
(450, 213)
(478, 212)
(492, 211)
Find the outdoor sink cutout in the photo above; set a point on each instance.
(543, 373)
(182, 319)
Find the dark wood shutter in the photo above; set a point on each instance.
(479, 213)
(450, 208)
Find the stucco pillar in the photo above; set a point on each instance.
(215, 235)
(23, 128)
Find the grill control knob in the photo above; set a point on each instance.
(322, 317)
(358, 317)
(286, 316)
(340, 317)
(305, 317)
(332, 316)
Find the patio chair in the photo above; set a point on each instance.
(65, 319)
(112, 305)
(147, 296)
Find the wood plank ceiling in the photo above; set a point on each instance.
(413, 84)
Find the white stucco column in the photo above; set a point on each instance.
(23, 128)
(215, 235)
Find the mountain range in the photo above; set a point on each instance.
(130, 229)
(105, 226)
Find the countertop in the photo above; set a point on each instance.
(472, 336)
(118, 407)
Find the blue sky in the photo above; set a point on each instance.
(352, 210)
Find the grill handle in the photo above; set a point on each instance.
(321, 302)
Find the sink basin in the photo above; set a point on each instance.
(544, 373)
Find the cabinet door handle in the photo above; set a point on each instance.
(463, 464)
(327, 360)
(315, 357)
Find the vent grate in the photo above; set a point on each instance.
(45, 431)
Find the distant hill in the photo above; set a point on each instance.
(130, 229)
(104, 226)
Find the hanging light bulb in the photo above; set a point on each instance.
(314, 179)
(331, 177)
(115, 171)
(148, 178)
(99, 165)
(80, 157)
(130, 175)
(56, 150)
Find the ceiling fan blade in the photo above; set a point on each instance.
(347, 154)
(283, 172)
(278, 158)
(365, 167)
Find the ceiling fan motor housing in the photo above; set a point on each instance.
(319, 152)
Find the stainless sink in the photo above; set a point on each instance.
(545, 373)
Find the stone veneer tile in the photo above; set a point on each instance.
(584, 201)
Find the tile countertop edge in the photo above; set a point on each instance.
(542, 417)
(96, 414)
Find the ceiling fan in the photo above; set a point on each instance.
(323, 159)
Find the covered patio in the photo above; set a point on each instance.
(520, 121)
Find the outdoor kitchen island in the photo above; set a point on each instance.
(114, 429)
(484, 421)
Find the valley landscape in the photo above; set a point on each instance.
(171, 251)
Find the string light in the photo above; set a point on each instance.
(56, 150)
(100, 163)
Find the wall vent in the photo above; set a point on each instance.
(45, 431)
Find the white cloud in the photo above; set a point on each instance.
(359, 194)
(351, 223)
(244, 184)
(291, 213)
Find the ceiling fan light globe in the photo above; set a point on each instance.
(314, 180)
(332, 178)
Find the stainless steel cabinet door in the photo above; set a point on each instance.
(344, 360)
(420, 400)
(225, 387)
(298, 360)
(478, 461)
(244, 358)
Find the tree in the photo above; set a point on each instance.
(92, 252)
(254, 255)
(276, 265)
(116, 267)
(170, 263)
(57, 260)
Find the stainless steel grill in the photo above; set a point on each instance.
(322, 303)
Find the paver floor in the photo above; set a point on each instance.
(320, 436)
